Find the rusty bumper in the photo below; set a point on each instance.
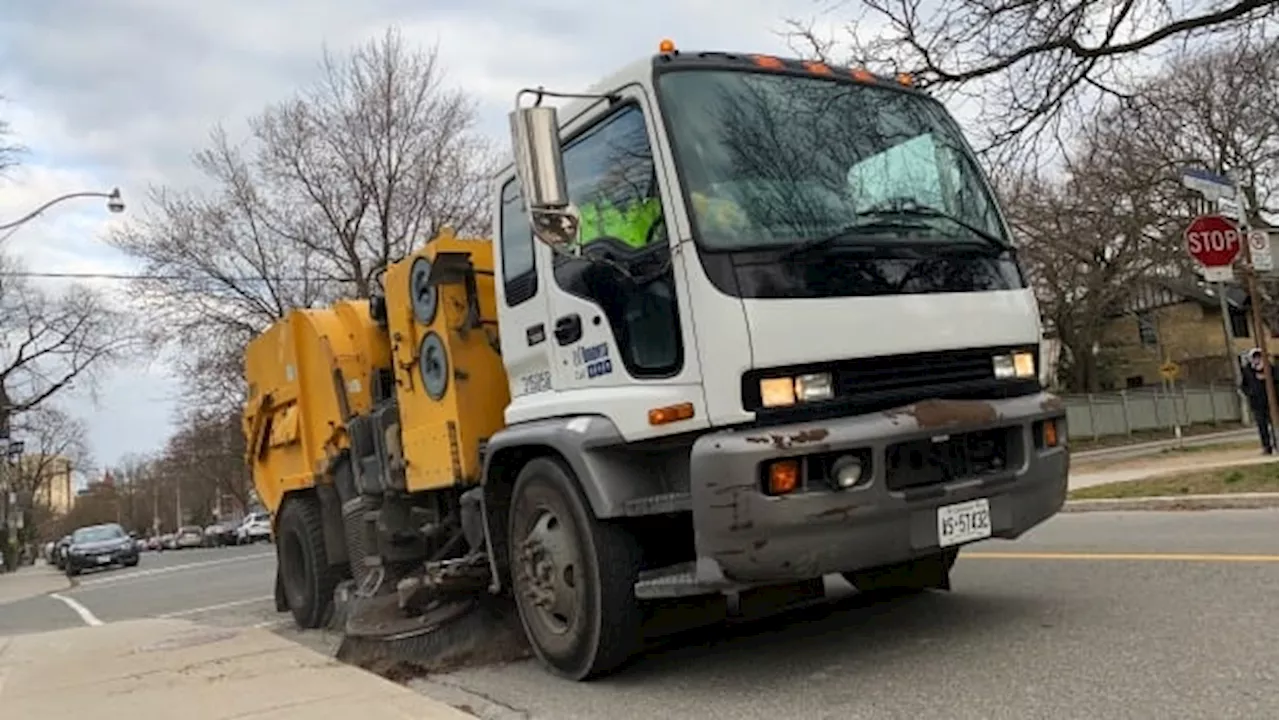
(745, 535)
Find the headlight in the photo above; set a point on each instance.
(813, 386)
(810, 387)
(1014, 365)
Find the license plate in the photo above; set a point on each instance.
(964, 522)
(104, 559)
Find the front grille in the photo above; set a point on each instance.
(963, 456)
(865, 385)
(894, 373)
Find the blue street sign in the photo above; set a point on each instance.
(1211, 185)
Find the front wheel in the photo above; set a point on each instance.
(572, 575)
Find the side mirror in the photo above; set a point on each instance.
(535, 138)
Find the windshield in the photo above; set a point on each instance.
(772, 160)
(99, 533)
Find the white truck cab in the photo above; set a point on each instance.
(769, 323)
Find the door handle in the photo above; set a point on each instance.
(569, 329)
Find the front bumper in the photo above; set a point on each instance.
(85, 560)
(744, 535)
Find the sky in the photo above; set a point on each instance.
(121, 93)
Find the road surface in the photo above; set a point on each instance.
(1093, 615)
(208, 585)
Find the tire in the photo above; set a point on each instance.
(131, 563)
(595, 571)
(931, 571)
(304, 567)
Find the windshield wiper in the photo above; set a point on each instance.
(851, 230)
(928, 212)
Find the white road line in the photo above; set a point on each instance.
(271, 624)
(89, 618)
(219, 606)
(142, 574)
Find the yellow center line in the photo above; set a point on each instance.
(1165, 557)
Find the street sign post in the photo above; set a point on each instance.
(1169, 370)
(1215, 188)
(1215, 243)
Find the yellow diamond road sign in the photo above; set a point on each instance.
(1169, 370)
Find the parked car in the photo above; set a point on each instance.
(98, 546)
(60, 552)
(256, 527)
(188, 536)
(219, 534)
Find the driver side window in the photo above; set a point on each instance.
(613, 182)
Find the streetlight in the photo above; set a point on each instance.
(114, 204)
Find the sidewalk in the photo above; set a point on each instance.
(30, 581)
(159, 668)
(1155, 447)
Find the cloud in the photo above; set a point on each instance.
(121, 93)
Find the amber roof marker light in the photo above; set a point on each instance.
(666, 46)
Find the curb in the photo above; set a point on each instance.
(1236, 501)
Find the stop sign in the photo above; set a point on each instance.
(1213, 240)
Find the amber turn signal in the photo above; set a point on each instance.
(1050, 433)
(670, 414)
(784, 476)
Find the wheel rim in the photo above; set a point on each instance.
(551, 569)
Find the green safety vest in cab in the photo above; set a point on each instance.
(632, 223)
(629, 224)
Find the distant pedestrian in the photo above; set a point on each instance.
(1253, 385)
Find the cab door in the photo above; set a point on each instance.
(524, 332)
(618, 323)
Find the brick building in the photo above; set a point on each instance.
(1179, 320)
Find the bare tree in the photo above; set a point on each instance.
(1086, 241)
(10, 151)
(1215, 110)
(207, 453)
(353, 172)
(1034, 69)
(48, 342)
(379, 156)
(55, 445)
